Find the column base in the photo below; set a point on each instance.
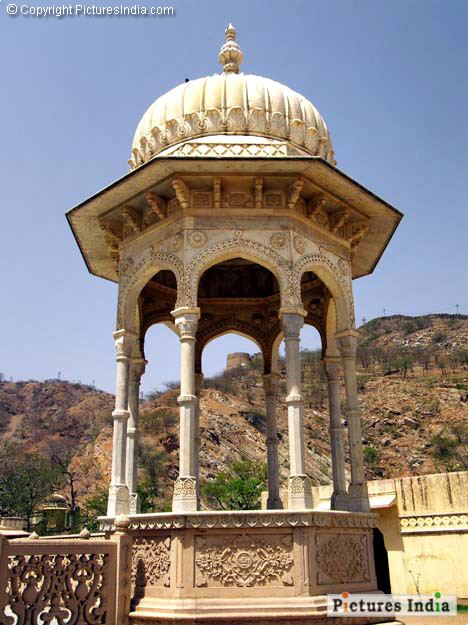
(185, 495)
(274, 503)
(119, 500)
(358, 498)
(339, 501)
(299, 493)
(135, 507)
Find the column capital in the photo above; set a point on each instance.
(185, 310)
(295, 310)
(186, 322)
(124, 342)
(137, 367)
(347, 342)
(270, 383)
(291, 324)
(331, 366)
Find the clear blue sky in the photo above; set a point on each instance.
(390, 79)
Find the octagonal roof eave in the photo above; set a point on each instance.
(158, 169)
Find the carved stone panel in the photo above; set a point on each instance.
(244, 560)
(342, 558)
(151, 562)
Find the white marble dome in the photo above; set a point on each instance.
(231, 104)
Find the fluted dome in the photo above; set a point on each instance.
(235, 104)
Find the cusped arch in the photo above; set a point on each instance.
(336, 283)
(240, 248)
(236, 326)
(137, 276)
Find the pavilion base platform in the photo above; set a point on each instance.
(269, 566)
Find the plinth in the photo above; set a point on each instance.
(240, 567)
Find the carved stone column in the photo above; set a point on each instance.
(339, 500)
(118, 489)
(137, 368)
(270, 385)
(299, 496)
(358, 496)
(198, 385)
(185, 489)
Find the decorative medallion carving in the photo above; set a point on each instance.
(245, 561)
(197, 238)
(151, 562)
(299, 245)
(177, 242)
(279, 240)
(238, 234)
(126, 265)
(342, 558)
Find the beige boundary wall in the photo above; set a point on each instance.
(424, 521)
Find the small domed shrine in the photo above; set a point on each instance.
(235, 218)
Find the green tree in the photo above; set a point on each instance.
(94, 507)
(26, 479)
(239, 487)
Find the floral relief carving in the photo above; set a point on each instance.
(342, 558)
(245, 561)
(185, 487)
(197, 238)
(298, 484)
(151, 561)
(58, 588)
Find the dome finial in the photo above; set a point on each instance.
(230, 55)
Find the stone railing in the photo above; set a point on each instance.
(75, 581)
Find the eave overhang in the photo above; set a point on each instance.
(84, 218)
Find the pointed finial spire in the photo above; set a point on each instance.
(230, 55)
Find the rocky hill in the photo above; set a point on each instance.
(413, 382)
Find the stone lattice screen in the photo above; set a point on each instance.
(70, 582)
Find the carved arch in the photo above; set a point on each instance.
(243, 248)
(339, 287)
(132, 283)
